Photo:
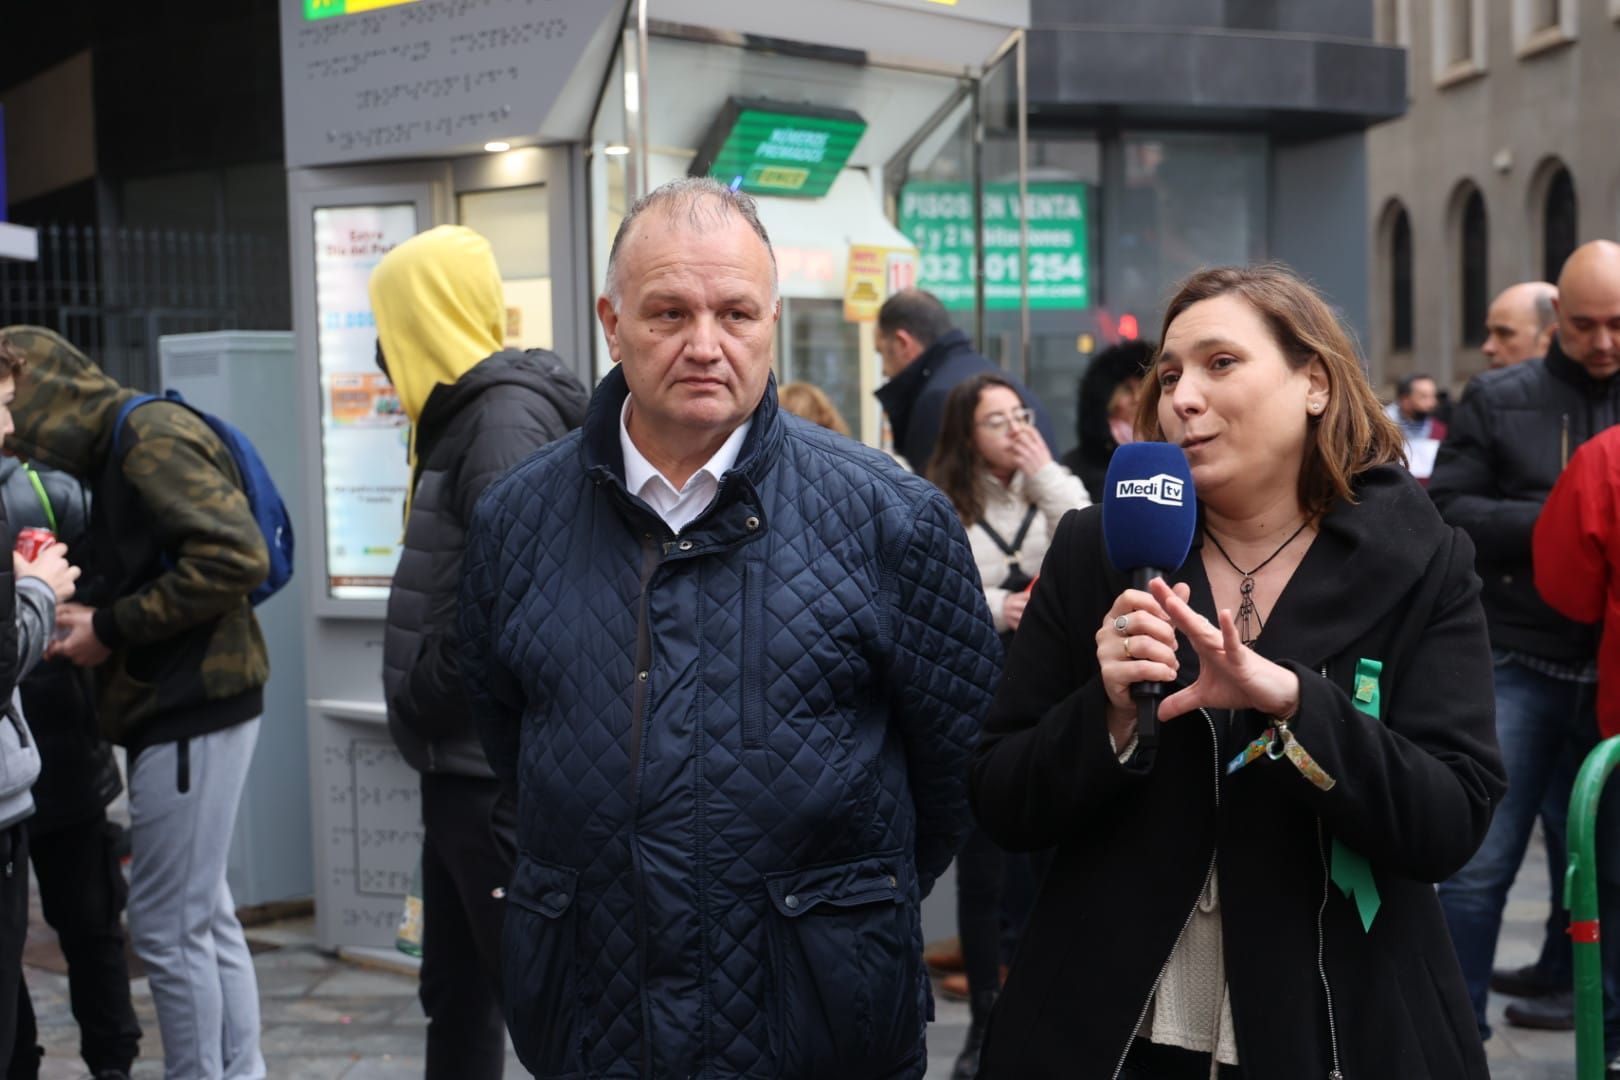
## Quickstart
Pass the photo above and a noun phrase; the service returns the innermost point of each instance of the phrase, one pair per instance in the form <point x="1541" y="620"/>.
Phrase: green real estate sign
<point x="938" y="218"/>
<point x="770" y="148"/>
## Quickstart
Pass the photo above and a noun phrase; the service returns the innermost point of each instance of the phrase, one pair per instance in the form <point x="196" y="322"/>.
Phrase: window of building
<point x="1540" y="25"/>
<point x="1400" y="282"/>
<point x="1558" y="210"/>
<point x="1459" y="40"/>
<point x="1474" y="253"/>
<point x="1460" y="20"/>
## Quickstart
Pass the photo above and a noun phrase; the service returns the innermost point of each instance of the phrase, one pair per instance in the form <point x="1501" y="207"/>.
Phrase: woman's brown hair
<point x="810" y="402"/>
<point x="956" y="465"/>
<point x="1352" y="434"/>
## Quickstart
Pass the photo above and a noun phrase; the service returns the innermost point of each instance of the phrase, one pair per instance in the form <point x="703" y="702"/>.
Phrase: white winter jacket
<point x="1053" y="492"/>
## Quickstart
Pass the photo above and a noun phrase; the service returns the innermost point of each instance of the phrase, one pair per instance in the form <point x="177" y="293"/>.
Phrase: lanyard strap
<point x="1017" y="544"/>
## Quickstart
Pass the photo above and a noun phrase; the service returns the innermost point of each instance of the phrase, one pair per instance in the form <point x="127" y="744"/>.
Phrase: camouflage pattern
<point x="189" y="486"/>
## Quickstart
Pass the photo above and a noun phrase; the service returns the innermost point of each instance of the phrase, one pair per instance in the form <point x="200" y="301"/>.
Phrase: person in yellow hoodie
<point x="476" y="409"/>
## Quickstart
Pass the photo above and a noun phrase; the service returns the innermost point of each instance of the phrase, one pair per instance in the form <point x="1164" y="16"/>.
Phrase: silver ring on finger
<point x="1128" y="655"/>
<point x="1120" y="623"/>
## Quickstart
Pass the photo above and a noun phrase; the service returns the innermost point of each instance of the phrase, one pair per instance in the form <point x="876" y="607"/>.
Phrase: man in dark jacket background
<point x="734" y="664"/>
<point x="477" y="410"/>
<point x="70" y="842"/>
<point x="1510" y="437"/>
<point x="173" y="554"/>
<point x="925" y="358"/>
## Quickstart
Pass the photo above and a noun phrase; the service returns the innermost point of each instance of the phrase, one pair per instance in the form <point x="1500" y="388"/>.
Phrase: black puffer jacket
<point x="78" y="775"/>
<point x="471" y="431"/>
<point x="1513" y="433"/>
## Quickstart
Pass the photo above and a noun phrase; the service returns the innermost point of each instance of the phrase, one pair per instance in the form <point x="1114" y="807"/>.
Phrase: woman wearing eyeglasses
<point x="999" y="473"/>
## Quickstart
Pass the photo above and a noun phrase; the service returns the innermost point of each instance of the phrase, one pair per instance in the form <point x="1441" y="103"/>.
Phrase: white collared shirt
<point x="677" y="508"/>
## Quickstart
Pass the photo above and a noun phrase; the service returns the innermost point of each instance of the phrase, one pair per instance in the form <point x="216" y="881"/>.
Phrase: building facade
<point x="1503" y="162"/>
<point x="1208" y="132"/>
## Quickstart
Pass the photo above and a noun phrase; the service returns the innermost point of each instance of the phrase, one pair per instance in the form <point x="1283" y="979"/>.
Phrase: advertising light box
<point x="775" y="148"/>
<point x="364" y="433"/>
<point x="938" y="218"/>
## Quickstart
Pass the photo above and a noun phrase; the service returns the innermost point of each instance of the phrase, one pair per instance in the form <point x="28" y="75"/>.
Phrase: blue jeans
<point x="1546" y="727"/>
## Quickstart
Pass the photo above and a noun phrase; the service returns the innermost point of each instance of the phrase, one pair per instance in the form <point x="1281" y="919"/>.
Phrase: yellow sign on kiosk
<point x="874" y="274"/>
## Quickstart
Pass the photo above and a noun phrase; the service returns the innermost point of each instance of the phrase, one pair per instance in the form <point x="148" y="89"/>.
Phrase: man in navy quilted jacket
<point x="734" y="665"/>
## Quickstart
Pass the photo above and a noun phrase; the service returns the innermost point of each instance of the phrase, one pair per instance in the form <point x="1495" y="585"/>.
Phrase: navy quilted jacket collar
<point x="738" y="501"/>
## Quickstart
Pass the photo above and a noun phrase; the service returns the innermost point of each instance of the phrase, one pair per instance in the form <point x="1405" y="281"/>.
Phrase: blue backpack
<point x="263" y="498"/>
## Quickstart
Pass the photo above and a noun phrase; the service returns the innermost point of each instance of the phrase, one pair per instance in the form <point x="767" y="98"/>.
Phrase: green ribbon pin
<point x="1351" y="872"/>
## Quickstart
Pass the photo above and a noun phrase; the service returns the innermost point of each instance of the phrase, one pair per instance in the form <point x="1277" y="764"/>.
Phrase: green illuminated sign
<point x="939" y="220"/>
<point x="326" y="9"/>
<point x="771" y="148"/>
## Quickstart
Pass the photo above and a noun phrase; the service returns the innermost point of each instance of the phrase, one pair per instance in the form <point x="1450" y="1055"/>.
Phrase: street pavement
<point x="327" y="1017"/>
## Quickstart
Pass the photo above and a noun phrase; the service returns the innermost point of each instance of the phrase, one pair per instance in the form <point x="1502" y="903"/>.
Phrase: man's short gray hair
<point x="706" y="204"/>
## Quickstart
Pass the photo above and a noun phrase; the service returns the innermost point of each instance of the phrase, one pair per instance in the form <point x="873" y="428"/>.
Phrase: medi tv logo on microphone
<point x="1162" y="489"/>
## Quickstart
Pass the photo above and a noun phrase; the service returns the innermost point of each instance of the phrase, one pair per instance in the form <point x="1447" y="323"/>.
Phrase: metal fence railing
<point x="113" y="291"/>
<point x="1581" y="897"/>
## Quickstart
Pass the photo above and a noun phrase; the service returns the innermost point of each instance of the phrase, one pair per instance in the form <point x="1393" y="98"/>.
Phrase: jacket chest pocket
<point x="805" y="668"/>
<point x="846" y="983"/>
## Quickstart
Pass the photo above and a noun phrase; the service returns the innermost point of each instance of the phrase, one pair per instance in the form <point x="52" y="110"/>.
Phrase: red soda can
<point x="30" y="542"/>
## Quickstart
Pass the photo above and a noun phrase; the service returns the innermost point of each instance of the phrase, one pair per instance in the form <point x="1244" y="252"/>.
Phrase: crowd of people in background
<point x="706" y="695"/>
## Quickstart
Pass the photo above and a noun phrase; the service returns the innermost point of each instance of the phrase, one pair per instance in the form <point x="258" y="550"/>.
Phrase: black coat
<point x="915" y="399"/>
<point x="1384" y="580"/>
<point x="1509" y="439"/>
<point x="470" y="432"/>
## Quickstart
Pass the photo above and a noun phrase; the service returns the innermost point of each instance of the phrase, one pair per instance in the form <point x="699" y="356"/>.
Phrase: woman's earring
<point x="1316" y="406"/>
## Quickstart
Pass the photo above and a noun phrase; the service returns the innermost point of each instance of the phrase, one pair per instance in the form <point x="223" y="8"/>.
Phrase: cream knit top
<point x="1053" y="490"/>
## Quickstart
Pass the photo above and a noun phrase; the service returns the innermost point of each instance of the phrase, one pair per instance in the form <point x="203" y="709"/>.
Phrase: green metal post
<point x="1581" y="897"/>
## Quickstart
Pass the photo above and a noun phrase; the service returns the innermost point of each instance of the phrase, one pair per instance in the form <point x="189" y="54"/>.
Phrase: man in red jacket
<point x="1577" y="557"/>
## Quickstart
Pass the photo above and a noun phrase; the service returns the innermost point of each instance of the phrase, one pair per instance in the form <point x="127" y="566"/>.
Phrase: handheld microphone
<point x="1149" y="515"/>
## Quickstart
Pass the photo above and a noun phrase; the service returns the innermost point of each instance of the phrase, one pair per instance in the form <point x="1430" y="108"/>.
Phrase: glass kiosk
<point x="537" y="130"/>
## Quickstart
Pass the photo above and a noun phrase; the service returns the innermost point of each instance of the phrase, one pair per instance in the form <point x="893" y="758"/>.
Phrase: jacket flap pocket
<point x="541" y="887"/>
<point x="866" y="880"/>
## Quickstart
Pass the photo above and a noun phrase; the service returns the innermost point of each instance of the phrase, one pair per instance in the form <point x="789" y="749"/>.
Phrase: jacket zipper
<point x="638" y="763"/>
<point x="1141" y="1017"/>
<point x="1321" y="963"/>
<point x="1321" y="944"/>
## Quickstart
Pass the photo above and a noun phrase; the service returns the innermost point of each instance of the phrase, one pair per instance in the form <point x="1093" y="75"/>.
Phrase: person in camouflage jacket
<point x="164" y="619"/>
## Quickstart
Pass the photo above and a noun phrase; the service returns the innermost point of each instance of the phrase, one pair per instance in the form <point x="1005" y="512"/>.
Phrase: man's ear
<point x="911" y="347"/>
<point x="609" y="318"/>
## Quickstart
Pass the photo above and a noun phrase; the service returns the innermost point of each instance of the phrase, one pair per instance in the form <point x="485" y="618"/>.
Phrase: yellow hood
<point x="440" y="310"/>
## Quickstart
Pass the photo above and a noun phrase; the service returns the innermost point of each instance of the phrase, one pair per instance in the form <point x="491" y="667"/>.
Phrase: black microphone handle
<point x="1147" y="694"/>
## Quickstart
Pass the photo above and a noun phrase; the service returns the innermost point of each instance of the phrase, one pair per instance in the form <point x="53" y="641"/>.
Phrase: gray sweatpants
<point x="181" y="916"/>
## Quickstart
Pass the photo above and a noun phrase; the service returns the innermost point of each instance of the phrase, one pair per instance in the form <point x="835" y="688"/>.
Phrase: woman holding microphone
<point x="1256" y="900"/>
<point x="998" y="472"/>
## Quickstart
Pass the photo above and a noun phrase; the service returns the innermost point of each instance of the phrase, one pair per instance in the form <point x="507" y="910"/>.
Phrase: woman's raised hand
<point x="1029" y="450"/>
<point x="1230" y="674"/>
<point x="1136" y="643"/>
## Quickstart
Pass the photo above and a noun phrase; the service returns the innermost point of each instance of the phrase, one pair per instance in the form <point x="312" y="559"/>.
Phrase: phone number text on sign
<point x="938" y="218"/>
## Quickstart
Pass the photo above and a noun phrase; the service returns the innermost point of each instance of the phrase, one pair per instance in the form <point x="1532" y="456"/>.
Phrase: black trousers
<point x="81" y="894"/>
<point x="468" y="851"/>
<point x="17" y="1032"/>
<point x="995" y="893"/>
<point x="981" y="867"/>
